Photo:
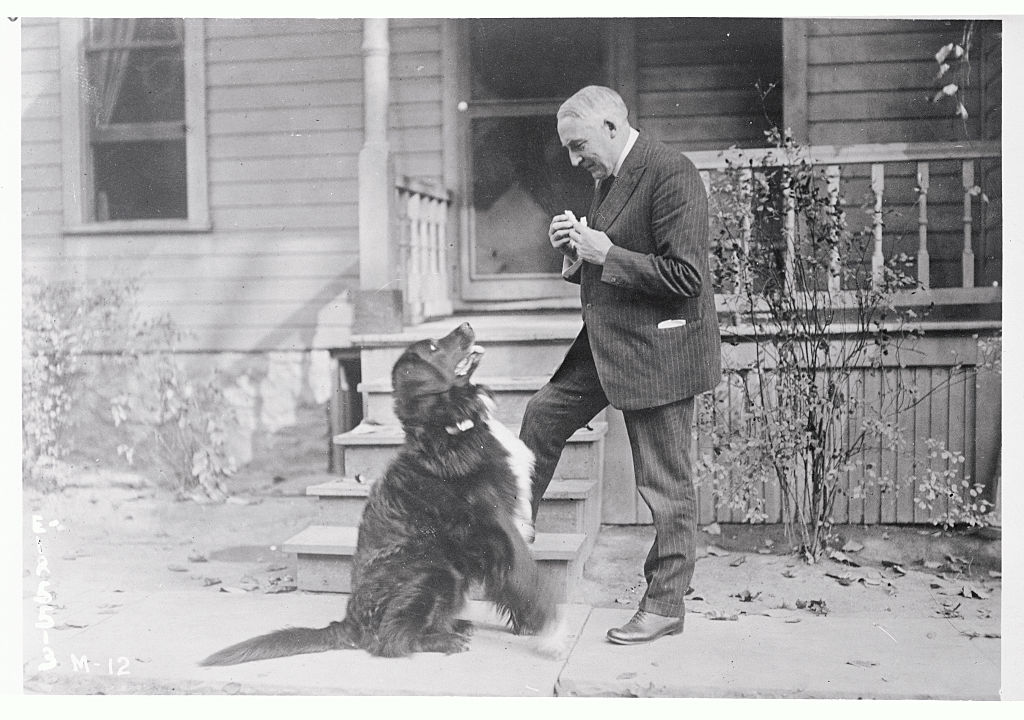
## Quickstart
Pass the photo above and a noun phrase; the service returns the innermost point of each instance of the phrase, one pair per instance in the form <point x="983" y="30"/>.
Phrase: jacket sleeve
<point x="678" y="222"/>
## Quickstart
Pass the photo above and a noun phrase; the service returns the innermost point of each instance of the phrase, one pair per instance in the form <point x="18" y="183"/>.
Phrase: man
<point x="650" y="340"/>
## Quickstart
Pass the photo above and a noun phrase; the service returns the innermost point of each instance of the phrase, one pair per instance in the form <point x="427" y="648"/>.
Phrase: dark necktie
<point x="604" y="188"/>
<point x="600" y="192"/>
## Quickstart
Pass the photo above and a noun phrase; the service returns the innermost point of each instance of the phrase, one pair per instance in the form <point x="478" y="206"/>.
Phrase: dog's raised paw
<point x="554" y="641"/>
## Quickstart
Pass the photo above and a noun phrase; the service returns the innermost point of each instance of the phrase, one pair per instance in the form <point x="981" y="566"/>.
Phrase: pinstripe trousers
<point x="660" y="439"/>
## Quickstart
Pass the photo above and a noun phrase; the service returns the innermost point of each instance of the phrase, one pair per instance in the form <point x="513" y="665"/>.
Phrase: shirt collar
<point x="630" y="141"/>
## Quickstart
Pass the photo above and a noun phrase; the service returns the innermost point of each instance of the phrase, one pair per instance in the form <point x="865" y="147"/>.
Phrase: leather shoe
<point x="645" y="627"/>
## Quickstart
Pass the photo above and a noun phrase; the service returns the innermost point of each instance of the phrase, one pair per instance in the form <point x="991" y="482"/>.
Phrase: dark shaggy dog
<point x="453" y="508"/>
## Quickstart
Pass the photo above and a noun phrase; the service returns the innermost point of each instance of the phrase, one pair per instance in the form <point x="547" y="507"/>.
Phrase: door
<point x="514" y="73"/>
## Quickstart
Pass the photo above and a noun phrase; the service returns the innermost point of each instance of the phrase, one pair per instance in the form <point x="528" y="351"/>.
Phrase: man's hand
<point x="591" y="245"/>
<point x="558" y="233"/>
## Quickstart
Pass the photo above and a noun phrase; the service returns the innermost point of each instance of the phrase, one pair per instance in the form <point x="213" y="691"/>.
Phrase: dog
<point x="452" y="509"/>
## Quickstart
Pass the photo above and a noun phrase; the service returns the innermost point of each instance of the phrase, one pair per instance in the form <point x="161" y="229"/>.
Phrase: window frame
<point x="79" y="215"/>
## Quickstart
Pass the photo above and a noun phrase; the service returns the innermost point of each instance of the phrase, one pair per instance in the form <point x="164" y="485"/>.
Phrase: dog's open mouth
<point x="468" y="364"/>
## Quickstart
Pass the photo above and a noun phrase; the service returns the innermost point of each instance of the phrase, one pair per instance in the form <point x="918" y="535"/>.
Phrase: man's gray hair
<point x="595" y="102"/>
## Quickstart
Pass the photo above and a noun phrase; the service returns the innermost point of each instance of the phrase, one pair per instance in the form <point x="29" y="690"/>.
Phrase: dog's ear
<point x="412" y="376"/>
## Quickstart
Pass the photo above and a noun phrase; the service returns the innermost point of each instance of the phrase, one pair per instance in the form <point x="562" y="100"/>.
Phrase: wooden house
<point x="313" y="193"/>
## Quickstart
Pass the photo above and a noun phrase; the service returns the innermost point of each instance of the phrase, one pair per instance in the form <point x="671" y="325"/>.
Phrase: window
<point x="135" y="134"/>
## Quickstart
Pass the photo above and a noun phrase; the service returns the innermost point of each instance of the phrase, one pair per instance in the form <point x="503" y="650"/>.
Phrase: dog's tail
<point x="285" y="642"/>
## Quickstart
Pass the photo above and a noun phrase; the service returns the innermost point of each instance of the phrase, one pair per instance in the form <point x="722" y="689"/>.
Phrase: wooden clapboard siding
<point x="697" y="79"/>
<point x="872" y="81"/>
<point x="876" y="104"/>
<point x="40" y="143"/>
<point x="415" y="119"/>
<point x="867" y="132"/>
<point x="284" y="130"/>
<point x="261" y="39"/>
<point x="291" y="94"/>
<point x="872" y="77"/>
<point x="279" y="71"/>
<point x="285" y="192"/>
<point x="257" y="120"/>
<point x="39" y="100"/>
<point x="181" y="261"/>
<point x="991" y="54"/>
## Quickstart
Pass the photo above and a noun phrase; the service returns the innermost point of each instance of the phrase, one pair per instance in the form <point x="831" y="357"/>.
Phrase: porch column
<point x="378" y="302"/>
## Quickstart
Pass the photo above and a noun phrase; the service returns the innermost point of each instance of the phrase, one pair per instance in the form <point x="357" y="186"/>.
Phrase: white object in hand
<point x="582" y="221"/>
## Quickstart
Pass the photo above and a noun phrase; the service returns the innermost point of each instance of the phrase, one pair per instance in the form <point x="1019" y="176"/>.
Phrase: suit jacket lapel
<point x="629" y="175"/>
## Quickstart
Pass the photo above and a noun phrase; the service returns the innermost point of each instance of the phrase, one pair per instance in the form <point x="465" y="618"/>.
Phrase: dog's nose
<point x="465" y="328"/>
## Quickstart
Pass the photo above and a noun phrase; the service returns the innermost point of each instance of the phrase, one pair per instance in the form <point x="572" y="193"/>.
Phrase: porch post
<point x="378" y="301"/>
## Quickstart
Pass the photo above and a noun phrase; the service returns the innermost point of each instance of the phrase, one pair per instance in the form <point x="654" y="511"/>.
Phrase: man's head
<point x="592" y="126"/>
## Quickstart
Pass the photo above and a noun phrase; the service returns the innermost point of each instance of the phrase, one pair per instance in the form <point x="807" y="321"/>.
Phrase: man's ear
<point x="612" y="129"/>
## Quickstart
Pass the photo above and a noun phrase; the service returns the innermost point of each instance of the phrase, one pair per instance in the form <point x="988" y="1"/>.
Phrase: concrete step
<point x="367" y="449"/>
<point x="569" y="506"/>
<point x="510" y="394"/>
<point x="325" y="555"/>
<point x="513" y="343"/>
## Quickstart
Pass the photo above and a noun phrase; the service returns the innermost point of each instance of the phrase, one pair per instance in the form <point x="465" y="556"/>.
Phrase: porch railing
<point x="873" y="164"/>
<point x="422" y="214"/>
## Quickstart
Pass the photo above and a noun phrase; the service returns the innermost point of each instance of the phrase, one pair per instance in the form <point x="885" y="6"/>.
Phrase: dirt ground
<point x="112" y="534"/>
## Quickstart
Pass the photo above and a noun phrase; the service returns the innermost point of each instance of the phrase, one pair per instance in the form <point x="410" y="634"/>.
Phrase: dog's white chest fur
<point x="521" y="464"/>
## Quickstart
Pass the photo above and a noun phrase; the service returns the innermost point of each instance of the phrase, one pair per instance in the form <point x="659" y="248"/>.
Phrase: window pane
<point x="521" y="178"/>
<point x="158" y="28"/>
<point x="131" y="86"/>
<point x="140" y="180"/>
<point x="534" y="58"/>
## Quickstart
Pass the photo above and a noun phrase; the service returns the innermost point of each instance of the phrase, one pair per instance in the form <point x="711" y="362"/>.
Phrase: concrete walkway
<point x="152" y="641"/>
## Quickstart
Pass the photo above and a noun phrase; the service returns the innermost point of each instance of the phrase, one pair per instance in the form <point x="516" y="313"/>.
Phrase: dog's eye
<point x="433" y="347"/>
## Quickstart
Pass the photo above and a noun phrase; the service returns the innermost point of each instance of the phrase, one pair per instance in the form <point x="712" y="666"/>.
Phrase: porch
<point x="594" y="482"/>
<point x="921" y="200"/>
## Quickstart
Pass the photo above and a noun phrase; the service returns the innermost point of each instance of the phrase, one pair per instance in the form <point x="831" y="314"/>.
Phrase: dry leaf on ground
<point x="972" y="634"/>
<point x="969" y="591"/>
<point x="862" y="663"/>
<point x="844" y="579"/>
<point x="842" y="557"/>
<point x="746" y="596"/>
<point x="818" y="607"/>
<point x="715" y="614"/>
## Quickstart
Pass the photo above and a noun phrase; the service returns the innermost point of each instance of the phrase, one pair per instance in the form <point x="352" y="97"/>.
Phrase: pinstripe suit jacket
<point x="656" y="214"/>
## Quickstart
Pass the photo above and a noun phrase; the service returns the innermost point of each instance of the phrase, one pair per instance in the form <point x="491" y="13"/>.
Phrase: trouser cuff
<point x="661" y="607"/>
